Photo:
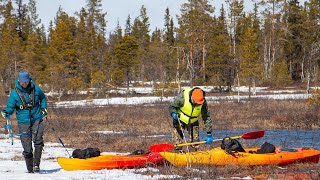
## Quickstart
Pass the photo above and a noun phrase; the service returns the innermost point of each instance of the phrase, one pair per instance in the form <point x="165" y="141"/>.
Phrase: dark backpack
<point x="266" y="148"/>
<point x="86" y="153"/>
<point x="231" y="145"/>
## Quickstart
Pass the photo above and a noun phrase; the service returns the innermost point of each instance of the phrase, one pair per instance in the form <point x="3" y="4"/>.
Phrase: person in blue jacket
<point x="30" y="104"/>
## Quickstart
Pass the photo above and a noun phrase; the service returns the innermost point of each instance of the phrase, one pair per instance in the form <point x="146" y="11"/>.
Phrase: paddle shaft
<point x="167" y="147"/>
<point x="203" y="142"/>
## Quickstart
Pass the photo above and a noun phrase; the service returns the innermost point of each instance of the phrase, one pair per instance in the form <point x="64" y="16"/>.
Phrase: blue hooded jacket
<point x="24" y="116"/>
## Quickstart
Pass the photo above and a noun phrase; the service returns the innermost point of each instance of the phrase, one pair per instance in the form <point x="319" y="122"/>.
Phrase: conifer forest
<point x="277" y="43"/>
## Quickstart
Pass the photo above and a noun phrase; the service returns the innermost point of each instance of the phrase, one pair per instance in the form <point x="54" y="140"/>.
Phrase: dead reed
<point x="132" y="128"/>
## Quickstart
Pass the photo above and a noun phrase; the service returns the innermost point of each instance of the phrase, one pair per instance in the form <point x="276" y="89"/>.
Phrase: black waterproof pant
<point x="28" y="134"/>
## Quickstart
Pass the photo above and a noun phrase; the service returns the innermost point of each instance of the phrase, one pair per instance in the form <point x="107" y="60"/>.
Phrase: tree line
<point x="277" y="43"/>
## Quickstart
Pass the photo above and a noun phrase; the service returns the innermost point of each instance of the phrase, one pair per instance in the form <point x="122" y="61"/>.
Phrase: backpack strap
<point x="26" y="105"/>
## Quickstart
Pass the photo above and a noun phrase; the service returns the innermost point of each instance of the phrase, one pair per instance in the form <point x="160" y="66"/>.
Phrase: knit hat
<point x="197" y="96"/>
<point x="24" y="76"/>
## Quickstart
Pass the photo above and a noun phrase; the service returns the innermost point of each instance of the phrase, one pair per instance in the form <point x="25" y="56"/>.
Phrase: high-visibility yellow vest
<point x="189" y="113"/>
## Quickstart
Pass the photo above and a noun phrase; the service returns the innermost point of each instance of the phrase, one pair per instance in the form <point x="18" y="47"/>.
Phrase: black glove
<point x="175" y="123"/>
<point x="4" y="114"/>
<point x="44" y="112"/>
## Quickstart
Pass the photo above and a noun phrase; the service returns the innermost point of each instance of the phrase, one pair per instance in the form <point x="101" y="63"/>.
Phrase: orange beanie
<point x="197" y="96"/>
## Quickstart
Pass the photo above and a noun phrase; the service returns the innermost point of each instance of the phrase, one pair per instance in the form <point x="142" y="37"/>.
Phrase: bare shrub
<point x="132" y="127"/>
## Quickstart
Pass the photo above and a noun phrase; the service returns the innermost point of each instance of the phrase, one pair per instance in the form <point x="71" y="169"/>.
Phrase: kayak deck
<point x="218" y="156"/>
<point x="110" y="162"/>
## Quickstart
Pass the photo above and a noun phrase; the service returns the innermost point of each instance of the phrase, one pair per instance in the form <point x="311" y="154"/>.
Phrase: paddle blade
<point x="253" y="135"/>
<point x="161" y="147"/>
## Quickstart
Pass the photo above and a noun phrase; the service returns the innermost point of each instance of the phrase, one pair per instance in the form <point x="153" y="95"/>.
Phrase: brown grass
<point x="77" y="126"/>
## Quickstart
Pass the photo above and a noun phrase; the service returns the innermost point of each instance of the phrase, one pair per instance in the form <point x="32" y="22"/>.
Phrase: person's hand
<point x="4" y="114"/>
<point x="44" y="112"/>
<point x="175" y="116"/>
<point x="209" y="139"/>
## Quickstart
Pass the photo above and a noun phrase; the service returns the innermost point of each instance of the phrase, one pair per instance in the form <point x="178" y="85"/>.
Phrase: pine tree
<point x="34" y="17"/>
<point x="250" y="64"/>
<point x="169" y="56"/>
<point x="294" y="46"/>
<point x="126" y="52"/>
<point x="35" y="57"/>
<point x="219" y="57"/>
<point x="128" y="28"/>
<point x="10" y="48"/>
<point x="140" y="30"/>
<point x="62" y="53"/>
<point x="194" y="28"/>
<point x="83" y="49"/>
<point x="96" y="26"/>
<point x="272" y="51"/>
<point x="22" y="21"/>
<point x="310" y="42"/>
<point x="280" y="76"/>
<point x="168" y="28"/>
<point x="235" y="14"/>
<point x="96" y="16"/>
<point x="155" y="58"/>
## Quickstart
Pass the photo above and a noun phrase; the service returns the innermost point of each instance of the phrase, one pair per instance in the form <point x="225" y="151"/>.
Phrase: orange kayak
<point x="110" y="162"/>
<point x="218" y="156"/>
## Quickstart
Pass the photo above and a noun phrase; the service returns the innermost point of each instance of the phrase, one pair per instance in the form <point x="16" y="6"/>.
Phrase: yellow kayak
<point x="218" y="156"/>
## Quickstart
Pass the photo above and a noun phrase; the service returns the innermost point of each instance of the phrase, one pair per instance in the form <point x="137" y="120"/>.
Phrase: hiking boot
<point x="37" y="155"/>
<point x="29" y="163"/>
<point x="37" y="158"/>
<point x="36" y="169"/>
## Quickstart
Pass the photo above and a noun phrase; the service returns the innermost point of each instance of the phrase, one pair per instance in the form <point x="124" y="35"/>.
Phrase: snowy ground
<point x="12" y="165"/>
<point x="259" y="93"/>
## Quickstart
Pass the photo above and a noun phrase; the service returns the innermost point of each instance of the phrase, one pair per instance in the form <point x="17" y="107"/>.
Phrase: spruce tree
<point x="140" y="30"/>
<point x="219" y="57"/>
<point x="193" y="32"/>
<point x="126" y="52"/>
<point x="10" y="48"/>
<point x="62" y="53"/>
<point x="250" y="64"/>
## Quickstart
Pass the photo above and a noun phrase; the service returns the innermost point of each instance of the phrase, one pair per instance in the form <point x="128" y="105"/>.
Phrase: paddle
<point x="168" y="147"/>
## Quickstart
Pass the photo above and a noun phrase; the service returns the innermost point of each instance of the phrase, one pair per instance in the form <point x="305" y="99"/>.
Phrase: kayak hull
<point x="110" y="162"/>
<point x="218" y="156"/>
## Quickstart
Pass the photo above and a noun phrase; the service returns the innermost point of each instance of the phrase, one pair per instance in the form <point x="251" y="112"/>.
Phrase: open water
<point x="279" y="138"/>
